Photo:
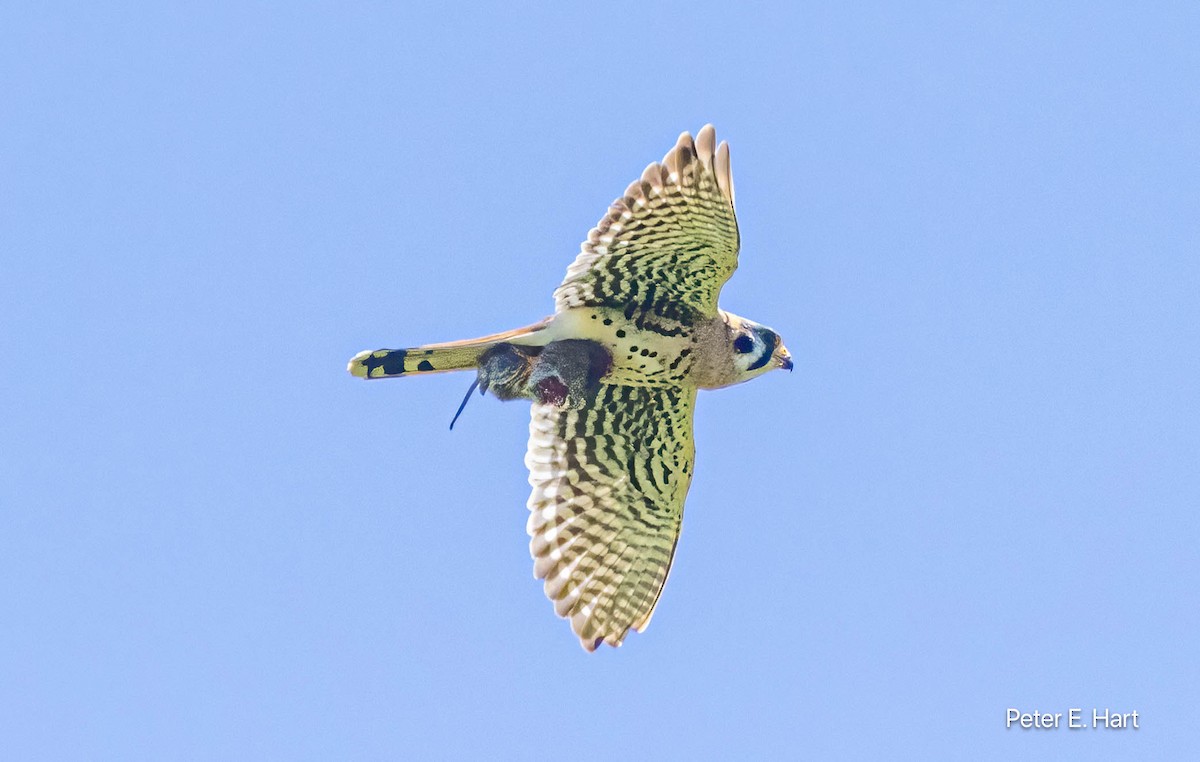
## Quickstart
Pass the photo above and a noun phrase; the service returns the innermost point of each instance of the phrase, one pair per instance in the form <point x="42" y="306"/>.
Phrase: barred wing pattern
<point x="666" y="246"/>
<point x="609" y="483"/>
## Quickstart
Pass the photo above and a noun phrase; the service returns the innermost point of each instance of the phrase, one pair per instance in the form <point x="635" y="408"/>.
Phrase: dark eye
<point x="743" y="344"/>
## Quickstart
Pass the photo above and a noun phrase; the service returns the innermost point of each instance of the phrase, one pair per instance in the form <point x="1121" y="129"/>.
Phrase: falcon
<point x="612" y="376"/>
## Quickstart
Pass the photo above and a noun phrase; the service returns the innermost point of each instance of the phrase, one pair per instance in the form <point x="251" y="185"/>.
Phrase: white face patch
<point x="753" y="347"/>
<point x="748" y="349"/>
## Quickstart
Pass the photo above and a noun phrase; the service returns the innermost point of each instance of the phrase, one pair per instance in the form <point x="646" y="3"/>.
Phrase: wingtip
<point x="652" y="175"/>
<point x="724" y="171"/>
<point x="706" y="141"/>
<point x="677" y="159"/>
<point x="591" y="642"/>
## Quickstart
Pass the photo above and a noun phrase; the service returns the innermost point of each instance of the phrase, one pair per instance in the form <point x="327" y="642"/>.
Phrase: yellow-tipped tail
<point x="436" y="358"/>
<point x="387" y="363"/>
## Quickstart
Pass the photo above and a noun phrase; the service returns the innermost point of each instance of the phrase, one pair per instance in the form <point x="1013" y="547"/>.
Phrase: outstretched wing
<point x="666" y="246"/>
<point x="609" y="483"/>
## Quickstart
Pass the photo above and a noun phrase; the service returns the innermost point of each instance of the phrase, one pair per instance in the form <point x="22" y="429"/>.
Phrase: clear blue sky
<point x="978" y="229"/>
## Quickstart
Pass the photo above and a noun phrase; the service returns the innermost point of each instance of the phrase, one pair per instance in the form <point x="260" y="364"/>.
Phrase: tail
<point x="438" y="358"/>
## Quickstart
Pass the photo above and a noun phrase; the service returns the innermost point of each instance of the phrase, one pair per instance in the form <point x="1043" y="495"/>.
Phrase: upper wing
<point x="668" y="244"/>
<point x="608" y="488"/>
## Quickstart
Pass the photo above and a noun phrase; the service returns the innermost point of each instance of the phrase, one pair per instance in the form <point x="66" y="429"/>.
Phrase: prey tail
<point x="439" y="358"/>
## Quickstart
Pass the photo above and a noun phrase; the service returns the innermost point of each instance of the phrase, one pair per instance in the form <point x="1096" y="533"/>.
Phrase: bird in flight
<point x="612" y="376"/>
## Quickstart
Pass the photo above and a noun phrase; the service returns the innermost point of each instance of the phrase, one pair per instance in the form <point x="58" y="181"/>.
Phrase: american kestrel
<point x="613" y="375"/>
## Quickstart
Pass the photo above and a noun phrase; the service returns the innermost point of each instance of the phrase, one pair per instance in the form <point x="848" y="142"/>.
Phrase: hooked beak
<point x="783" y="358"/>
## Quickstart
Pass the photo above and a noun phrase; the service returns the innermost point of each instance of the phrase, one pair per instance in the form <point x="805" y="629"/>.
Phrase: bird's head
<point x="755" y="348"/>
